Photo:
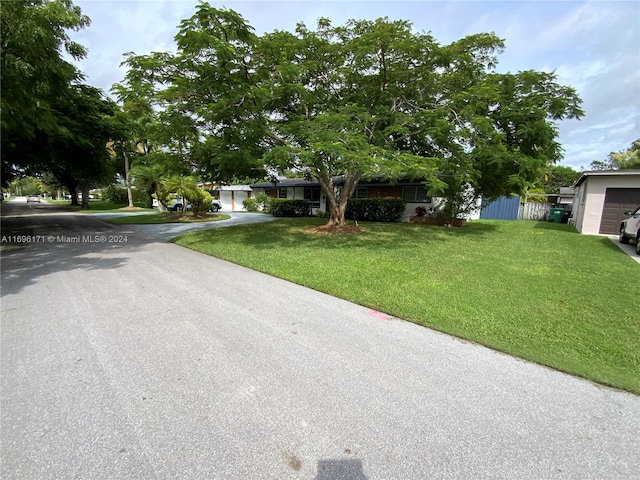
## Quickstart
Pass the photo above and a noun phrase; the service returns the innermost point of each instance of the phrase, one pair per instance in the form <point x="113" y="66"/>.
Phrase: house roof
<point x="605" y="173"/>
<point x="301" y="182"/>
<point x="236" y="188"/>
<point x="287" y="182"/>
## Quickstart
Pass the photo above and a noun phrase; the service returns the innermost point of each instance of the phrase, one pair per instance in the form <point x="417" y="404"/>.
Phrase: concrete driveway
<point x="167" y="231"/>
<point x="628" y="248"/>
<point x="139" y="359"/>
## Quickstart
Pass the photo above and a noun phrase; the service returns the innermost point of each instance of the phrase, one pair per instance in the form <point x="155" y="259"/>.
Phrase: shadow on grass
<point x="558" y="227"/>
<point x="607" y="243"/>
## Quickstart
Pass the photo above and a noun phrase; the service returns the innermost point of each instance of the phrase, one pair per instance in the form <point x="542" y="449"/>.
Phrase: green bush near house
<point x="375" y="209"/>
<point x="289" y="207"/>
<point x="200" y="202"/>
<point x="250" y="205"/>
<point x="260" y="203"/>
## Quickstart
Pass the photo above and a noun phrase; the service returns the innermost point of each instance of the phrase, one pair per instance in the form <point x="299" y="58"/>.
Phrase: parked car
<point x="630" y="228"/>
<point x="215" y="205"/>
<point x="176" y="204"/>
<point x="33" y="198"/>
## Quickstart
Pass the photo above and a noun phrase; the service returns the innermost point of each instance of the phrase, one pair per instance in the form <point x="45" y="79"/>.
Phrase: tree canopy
<point x="368" y="98"/>
<point x="51" y="122"/>
<point x="33" y="72"/>
<point x="560" y="176"/>
<point x="623" y="160"/>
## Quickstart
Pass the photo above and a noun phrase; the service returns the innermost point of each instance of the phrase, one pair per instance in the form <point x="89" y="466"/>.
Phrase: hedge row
<point x="375" y="209"/>
<point x="369" y="209"/>
<point x="289" y="207"/>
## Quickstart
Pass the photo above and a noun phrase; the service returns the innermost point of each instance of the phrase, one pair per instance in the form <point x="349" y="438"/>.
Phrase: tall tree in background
<point x="369" y="98"/>
<point x="33" y="73"/>
<point x="622" y="160"/>
<point x="77" y="155"/>
<point x="560" y="176"/>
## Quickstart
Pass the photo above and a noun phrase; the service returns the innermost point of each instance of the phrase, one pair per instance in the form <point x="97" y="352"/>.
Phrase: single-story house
<point x="602" y="197"/>
<point x="413" y="192"/>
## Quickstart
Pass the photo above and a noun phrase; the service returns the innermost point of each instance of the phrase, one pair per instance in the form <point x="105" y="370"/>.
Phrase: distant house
<point x="414" y="193"/>
<point x="602" y="197"/>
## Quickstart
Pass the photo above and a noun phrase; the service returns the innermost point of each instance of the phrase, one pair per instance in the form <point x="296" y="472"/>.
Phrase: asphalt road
<point x="131" y="358"/>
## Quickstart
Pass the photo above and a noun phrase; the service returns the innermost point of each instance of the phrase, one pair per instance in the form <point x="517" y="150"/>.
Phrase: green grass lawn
<point x="165" y="217"/>
<point x="536" y="290"/>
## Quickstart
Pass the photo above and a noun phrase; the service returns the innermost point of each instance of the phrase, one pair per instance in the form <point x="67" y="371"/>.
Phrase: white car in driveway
<point x="176" y="204"/>
<point x="630" y="228"/>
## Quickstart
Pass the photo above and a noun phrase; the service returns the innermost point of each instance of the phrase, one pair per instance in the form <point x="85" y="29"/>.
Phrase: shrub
<point x="260" y="203"/>
<point x="288" y="207"/>
<point x="250" y="205"/>
<point x="421" y="211"/>
<point x="375" y="209"/>
<point x="114" y="194"/>
<point x="200" y="202"/>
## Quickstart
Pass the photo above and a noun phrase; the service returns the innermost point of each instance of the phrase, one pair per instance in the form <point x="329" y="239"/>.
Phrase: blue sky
<point x="592" y="46"/>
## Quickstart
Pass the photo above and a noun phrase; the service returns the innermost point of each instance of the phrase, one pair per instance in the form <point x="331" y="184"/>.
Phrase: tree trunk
<point x="337" y="201"/>
<point x="85" y="197"/>
<point x="73" y="191"/>
<point x="161" y="206"/>
<point x="127" y="179"/>
<point x="337" y="210"/>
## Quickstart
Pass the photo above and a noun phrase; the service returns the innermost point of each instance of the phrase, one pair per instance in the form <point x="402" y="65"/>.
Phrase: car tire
<point x="215" y="208"/>
<point x="622" y="238"/>
<point x="638" y="244"/>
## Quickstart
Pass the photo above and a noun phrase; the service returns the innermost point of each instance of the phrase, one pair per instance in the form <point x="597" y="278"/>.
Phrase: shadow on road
<point x="39" y="240"/>
<point x="332" y="469"/>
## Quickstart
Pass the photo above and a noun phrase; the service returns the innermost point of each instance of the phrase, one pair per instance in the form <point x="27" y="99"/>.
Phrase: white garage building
<point x="602" y="197"/>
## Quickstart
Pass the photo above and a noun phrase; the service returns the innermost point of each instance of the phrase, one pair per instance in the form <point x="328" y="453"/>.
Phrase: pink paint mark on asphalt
<point x="378" y="315"/>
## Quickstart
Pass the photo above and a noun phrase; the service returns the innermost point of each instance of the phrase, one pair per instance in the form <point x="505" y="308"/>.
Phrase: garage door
<point x="616" y="202"/>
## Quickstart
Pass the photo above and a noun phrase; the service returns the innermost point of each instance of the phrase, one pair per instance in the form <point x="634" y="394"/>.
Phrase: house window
<point x="361" y="192"/>
<point x="312" y="195"/>
<point x="282" y="193"/>
<point x="415" y="194"/>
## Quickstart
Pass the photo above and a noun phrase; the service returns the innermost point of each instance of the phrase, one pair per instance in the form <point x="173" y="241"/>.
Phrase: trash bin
<point x="555" y="215"/>
<point x="565" y="216"/>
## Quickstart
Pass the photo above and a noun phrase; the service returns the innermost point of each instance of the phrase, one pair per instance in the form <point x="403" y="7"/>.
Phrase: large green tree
<point x="33" y="73"/>
<point x="368" y="98"/>
<point x="78" y="154"/>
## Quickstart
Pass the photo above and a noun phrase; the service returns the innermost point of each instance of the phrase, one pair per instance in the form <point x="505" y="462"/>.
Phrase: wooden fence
<point x="534" y="211"/>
